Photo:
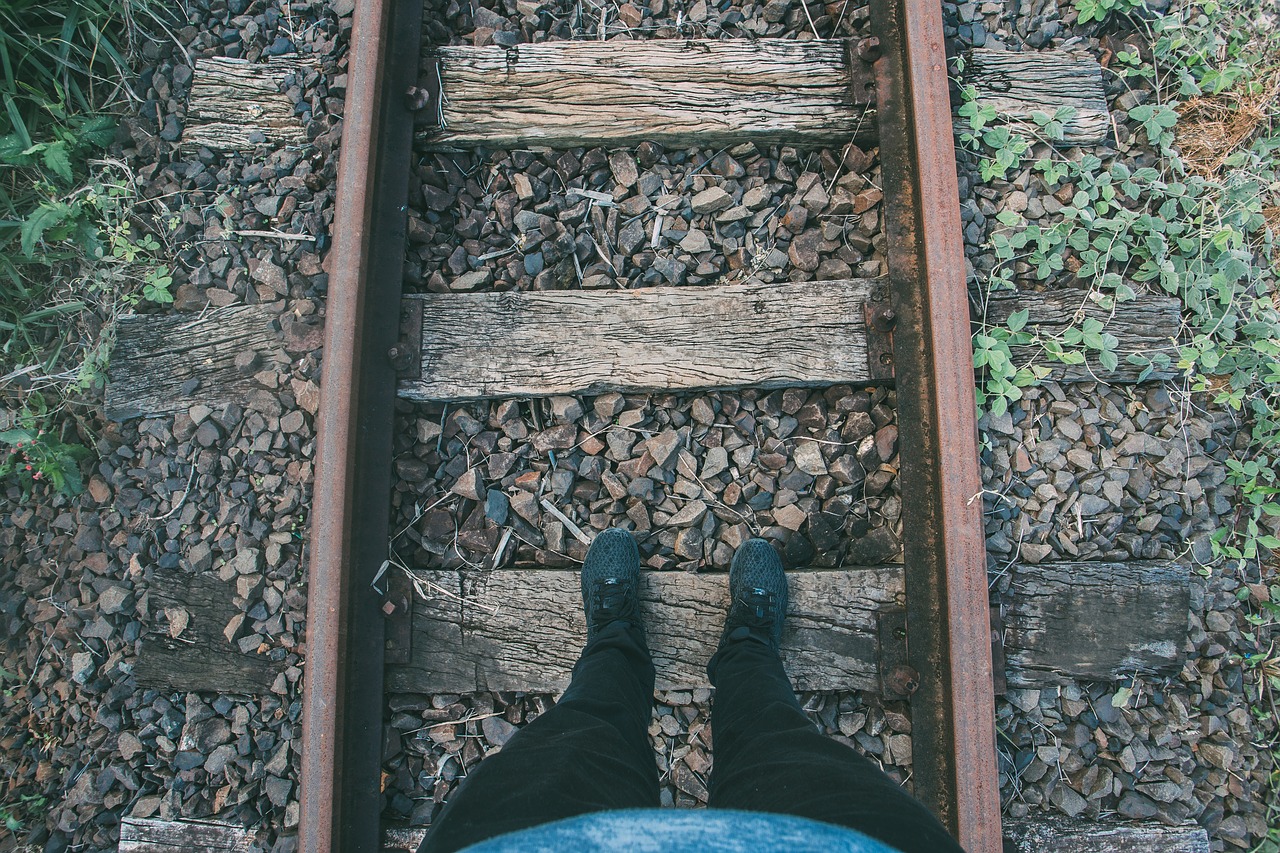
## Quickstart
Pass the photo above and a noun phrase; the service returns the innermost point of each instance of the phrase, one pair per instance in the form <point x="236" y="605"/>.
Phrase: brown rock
<point x="845" y="469"/>
<point x="887" y="441"/>
<point x="867" y="199"/>
<point x="609" y="405"/>
<point x="662" y="447"/>
<point x="711" y="200"/>
<point x="560" y="437"/>
<point x="790" y="517"/>
<point x="470" y="485"/>
<point x="526" y="506"/>
<point x="795" y="219"/>
<point x="804" y="250"/>
<point x="857" y="426"/>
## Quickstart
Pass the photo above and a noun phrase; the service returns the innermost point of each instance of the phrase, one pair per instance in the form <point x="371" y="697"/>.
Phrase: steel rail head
<point x="948" y="622"/>
<point x="342" y="689"/>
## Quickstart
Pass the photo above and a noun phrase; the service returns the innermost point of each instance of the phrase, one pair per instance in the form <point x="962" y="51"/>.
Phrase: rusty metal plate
<point x="880" y="319"/>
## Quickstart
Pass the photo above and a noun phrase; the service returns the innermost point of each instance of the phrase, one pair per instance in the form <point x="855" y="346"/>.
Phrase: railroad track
<point x="925" y="315"/>
<point x="911" y="329"/>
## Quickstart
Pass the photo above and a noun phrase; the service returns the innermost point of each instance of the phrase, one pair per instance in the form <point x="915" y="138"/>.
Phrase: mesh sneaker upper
<point x="758" y="586"/>
<point x="610" y="580"/>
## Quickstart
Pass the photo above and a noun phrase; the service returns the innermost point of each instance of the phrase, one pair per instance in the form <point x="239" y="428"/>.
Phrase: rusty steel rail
<point x="342" y="694"/>
<point x="948" y="618"/>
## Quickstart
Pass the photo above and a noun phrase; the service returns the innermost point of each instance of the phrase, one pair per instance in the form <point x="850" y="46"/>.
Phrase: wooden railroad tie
<point x="566" y="94"/>
<point x="1062" y="622"/>
<point x="543" y="343"/>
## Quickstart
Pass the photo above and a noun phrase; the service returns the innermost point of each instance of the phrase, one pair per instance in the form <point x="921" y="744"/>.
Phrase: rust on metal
<point x="342" y="691"/>
<point x="398" y="610"/>
<point x="408" y="357"/>
<point x="999" y="678"/>
<point x="897" y="679"/>
<point x="880" y="319"/>
<point x="862" y="78"/>
<point x="948" y="616"/>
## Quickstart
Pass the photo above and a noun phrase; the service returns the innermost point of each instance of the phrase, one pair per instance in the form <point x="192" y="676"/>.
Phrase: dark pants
<point x="591" y="752"/>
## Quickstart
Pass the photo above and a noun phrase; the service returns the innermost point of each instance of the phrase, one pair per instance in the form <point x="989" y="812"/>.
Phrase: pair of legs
<point x="591" y="752"/>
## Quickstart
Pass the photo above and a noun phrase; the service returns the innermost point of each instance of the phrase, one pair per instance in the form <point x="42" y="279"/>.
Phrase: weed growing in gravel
<point x="1197" y="222"/>
<point x="1096" y="10"/>
<point x="71" y="258"/>
<point x="29" y="455"/>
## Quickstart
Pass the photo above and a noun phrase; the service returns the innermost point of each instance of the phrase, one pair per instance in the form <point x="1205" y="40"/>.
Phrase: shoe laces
<point x="759" y="608"/>
<point x="610" y="600"/>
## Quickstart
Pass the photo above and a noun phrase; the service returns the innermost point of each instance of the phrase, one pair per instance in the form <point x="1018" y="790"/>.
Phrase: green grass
<point x="71" y="253"/>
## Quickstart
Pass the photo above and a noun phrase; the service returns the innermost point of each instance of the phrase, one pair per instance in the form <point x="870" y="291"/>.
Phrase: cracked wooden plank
<point x="1095" y="621"/>
<point x="523" y="629"/>
<point x="674" y="91"/>
<point x="1019" y="84"/>
<point x="1047" y="833"/>
<point x="201" y="657"/>
<point x="1145" y="326"/>
<point x="146" y="835"/>
<point x="539" y="343"/>
<point x="236" y="105"/>
<point x="166" y="363"/>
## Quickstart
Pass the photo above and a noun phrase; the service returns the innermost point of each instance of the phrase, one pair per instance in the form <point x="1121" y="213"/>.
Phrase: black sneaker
<point x="611" y="581"/>
<point x="758" y="586"/>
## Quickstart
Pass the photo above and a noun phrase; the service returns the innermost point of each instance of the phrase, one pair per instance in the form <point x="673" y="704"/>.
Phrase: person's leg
<point x="769" y="757"/>
<point x="590" y="752"/>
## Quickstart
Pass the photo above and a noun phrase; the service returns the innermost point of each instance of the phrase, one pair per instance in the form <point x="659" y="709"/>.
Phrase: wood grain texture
<point x="682" y="92"/>
<point x="523" y="629"/>
<point x="236" y="105"/>
<point x="522" y="344"/>
<point x="145" y="835"/>
<point x="1045" y="833"/>
<point x="1095" y="621"/>
<point x="1116" y="619"/>
<point x="1143" y="326"/>
<point x="202" y="658"/>
<point x="402" y="838"/>
<point x="1019" y="84"/>
<point x="155" y="355"/>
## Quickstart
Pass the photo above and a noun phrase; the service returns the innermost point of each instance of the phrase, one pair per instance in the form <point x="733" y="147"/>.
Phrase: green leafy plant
<point x="1097" y="10"/>
<point x="17" y="814"/>
<point x="993" y="353"/>
<point x="32" y="455"/>
<point x="1198" y="224"/>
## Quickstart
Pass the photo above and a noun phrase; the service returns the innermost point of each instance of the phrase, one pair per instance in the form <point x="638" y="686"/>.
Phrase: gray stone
<point x="688" y="515"/>
<point x="808" y="458"/>
<point x="497" y="731"/>
<point x="662" y="447"/>
<point x="711" y="200"/>
<point x="112" y="599"/>
<point x="695" y="242"/>
<point x="716" y="461"/>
